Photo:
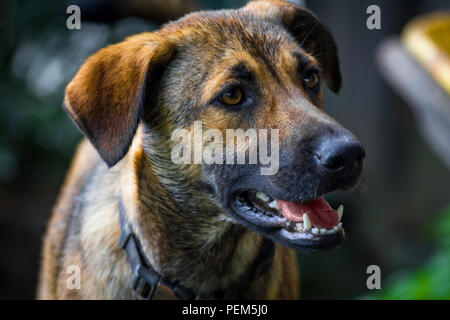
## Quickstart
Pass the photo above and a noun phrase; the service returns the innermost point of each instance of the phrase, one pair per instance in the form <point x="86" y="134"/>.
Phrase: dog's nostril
<point x="335" y="163"/>
<point x="338" y="155"/>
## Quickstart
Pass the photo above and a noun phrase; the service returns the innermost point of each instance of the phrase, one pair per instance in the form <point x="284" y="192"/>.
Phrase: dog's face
<point x="257" y="69"/>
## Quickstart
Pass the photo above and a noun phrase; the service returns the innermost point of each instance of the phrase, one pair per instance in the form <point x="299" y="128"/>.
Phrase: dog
<point x="136" y="225"/>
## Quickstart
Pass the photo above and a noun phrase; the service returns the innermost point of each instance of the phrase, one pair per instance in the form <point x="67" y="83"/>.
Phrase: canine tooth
<point x="262" y="196"/>
<point x="315" y="230"/>
<point x="340" y="211"/>
<point x="340" y="224"/>
<point x="306" y="222"/>
<point x="331" y="231"/>
<point x="274" y="205"/>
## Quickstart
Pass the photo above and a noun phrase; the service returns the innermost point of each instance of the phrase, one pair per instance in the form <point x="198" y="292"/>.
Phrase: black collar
<point x="146" y="281"/>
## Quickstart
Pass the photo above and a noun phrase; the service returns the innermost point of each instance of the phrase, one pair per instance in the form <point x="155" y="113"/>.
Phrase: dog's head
<point x="257" y="69"/>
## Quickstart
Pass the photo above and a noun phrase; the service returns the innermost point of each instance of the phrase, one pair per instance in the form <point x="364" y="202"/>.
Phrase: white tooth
<point x="331" y="231"/>
<point x="274" y="205"/>
<point x="335" y="228"/>
<point x="306" y="222"/>
<point x="340" y="211"/>
<point x="340" y="224"/>
<point x="262" y="196"/>
<point x="315" y="230"/>
<point x="323" y="231"/>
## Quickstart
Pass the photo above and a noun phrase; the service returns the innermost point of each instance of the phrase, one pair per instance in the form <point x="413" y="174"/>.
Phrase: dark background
<point x="389" y="219"/>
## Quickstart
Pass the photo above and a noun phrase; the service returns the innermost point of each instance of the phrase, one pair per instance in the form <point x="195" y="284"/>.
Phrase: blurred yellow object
<point x="427" y="38"/>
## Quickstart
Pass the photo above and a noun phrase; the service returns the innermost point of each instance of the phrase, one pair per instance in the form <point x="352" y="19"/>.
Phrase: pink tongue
<point x="319" y="212"/>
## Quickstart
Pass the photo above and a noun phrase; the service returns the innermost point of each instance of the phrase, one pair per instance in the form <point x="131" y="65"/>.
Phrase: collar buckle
<point x="145" y="282"/>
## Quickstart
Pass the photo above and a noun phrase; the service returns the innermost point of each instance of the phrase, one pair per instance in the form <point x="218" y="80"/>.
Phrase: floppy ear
<point x="309" y="32"/>
<point x="106" y="97"/>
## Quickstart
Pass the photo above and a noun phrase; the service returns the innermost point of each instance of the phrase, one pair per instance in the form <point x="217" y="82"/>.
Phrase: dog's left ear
<point x="309" y="32"/>
<point x="106" y="97"/>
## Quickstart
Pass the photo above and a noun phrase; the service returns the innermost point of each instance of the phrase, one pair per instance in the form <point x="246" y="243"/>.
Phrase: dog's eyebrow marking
<point x="230" y="74"/>
<point x="241" y="71"/>
<point x="305" y="62"/>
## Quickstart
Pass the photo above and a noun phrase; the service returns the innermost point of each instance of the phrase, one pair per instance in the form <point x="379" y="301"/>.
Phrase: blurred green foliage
<point x="432" y="279"/>
<point x="32" y="126"/>
<point x="38" y="60"/>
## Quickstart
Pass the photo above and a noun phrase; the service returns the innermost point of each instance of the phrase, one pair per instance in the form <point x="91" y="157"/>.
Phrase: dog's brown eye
<point x="232" y="96"/>
<point x="311" y="80"/>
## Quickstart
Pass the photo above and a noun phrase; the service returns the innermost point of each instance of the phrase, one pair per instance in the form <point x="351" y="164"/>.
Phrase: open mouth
<point x="310" y="225"/>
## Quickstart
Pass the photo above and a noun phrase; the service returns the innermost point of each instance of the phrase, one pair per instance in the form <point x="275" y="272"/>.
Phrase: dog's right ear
<point x="106" y="97"/>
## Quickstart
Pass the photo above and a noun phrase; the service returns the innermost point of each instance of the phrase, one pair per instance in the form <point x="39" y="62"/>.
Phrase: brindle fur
<point x="127" y="99"/>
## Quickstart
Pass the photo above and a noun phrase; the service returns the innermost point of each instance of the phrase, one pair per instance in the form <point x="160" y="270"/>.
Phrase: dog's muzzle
<point x="290" y="207"/>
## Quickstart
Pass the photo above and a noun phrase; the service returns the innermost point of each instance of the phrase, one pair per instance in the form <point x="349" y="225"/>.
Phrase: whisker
<point x="308" y="34"/>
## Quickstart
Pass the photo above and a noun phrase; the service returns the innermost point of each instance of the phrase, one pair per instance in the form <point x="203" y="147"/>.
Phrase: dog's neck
<point x="183" y="234"/>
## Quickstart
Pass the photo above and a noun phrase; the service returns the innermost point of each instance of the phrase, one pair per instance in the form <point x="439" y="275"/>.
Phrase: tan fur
<point x="82" y="164"/>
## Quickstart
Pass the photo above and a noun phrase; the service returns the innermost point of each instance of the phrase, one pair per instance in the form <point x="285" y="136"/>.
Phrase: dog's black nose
<point x="340" y="153"/>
